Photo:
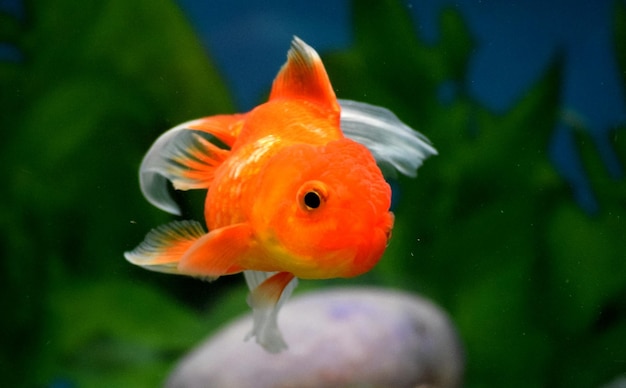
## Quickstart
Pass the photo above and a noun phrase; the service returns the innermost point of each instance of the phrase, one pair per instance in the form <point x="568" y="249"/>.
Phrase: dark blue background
<point x="515" y="41"/>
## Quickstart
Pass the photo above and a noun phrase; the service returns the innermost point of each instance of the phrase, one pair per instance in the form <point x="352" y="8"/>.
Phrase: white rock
<point x="356" y="337"/>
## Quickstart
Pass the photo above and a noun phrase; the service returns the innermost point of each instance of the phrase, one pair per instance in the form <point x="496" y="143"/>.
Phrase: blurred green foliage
<point x="489" y="230"/>
<point x="88" y="96"/>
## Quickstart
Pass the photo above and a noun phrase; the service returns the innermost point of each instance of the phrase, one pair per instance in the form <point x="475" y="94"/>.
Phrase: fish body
<point x="290" y="196"/>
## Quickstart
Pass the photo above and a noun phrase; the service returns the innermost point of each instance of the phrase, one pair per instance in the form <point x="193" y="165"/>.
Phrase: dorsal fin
<point x="304" y="77"/>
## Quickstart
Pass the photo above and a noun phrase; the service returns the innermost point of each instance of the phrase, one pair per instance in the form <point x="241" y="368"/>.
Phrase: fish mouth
<point x="374" y="245"/>
<point x="387" y="226"/>
<point x="388" y="237"/>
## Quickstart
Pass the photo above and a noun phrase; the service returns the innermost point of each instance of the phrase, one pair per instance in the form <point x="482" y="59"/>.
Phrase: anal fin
<point x="266" y="300"/>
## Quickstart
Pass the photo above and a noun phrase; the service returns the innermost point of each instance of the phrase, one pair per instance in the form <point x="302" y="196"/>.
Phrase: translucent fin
<point x="186" y="156"/>
<point x="304" y="76"/>
<point x="269" y="291"/>
<point x="395" y="145"/>
<point x="255" y="278"/>
<point x="164" y="246"/>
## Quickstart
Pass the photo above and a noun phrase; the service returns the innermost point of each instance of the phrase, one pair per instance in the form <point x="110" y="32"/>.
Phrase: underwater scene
<point x="477" y="238"/>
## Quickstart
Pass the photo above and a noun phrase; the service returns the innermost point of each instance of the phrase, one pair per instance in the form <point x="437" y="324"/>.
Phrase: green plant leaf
<point x="486" y="227"/>
<point x="112" y="331"/>
<point x="9" y="28"/>
<point x="95" y="85"/>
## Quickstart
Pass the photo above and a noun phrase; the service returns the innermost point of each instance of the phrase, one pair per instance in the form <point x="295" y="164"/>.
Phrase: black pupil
<point x="312" y="200"/>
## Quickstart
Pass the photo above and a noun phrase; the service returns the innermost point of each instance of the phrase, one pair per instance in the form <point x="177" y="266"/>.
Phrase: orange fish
<point x="294" y="190"/>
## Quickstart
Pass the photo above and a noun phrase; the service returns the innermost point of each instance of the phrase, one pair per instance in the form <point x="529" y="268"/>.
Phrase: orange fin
<point x="186" y="155"/>
<point x="164" y="246"/>
<point x="224" y="127"/>
<point x="218" y="253"/>
<point x="266" y="299"/>
<point x="304" y="77"/>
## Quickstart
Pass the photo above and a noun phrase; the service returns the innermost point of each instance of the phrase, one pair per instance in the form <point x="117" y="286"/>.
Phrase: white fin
<point x="164" y="246"/>
<point x="255" y="278"/>
<point x="265" y="316"/>
<point x="177" y="155"/>
<point x="395" y="145"/>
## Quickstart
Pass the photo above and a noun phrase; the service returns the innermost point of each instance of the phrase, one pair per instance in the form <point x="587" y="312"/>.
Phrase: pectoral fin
<point x="182" y="247"/>
<point x="219" y="252"/>
<point x="164" y="246"/>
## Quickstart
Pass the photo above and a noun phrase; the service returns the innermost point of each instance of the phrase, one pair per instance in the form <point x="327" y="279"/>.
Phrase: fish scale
<point x="225" y="203"/>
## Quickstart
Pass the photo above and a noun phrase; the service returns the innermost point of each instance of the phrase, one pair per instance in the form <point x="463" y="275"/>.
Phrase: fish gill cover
<point x="490" y="230"/>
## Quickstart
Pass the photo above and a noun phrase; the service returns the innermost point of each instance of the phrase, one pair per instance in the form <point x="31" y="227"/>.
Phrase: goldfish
<point x="295" y="190"/>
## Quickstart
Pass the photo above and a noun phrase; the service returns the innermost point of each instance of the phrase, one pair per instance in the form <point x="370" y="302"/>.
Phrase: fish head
<point x="323" y="210"/>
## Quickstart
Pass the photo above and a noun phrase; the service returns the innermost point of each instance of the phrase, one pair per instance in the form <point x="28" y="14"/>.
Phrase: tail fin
<point x="187" y="156"/>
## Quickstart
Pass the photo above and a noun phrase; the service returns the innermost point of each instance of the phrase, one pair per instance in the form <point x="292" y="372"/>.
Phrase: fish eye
<point x="312" y="200"/>
<point x="312" y="195"/>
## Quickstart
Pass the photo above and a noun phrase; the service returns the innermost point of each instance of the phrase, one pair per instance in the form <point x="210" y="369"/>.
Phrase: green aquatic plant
<point x="83" y="98"/>
<point x="489" y="229"/>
